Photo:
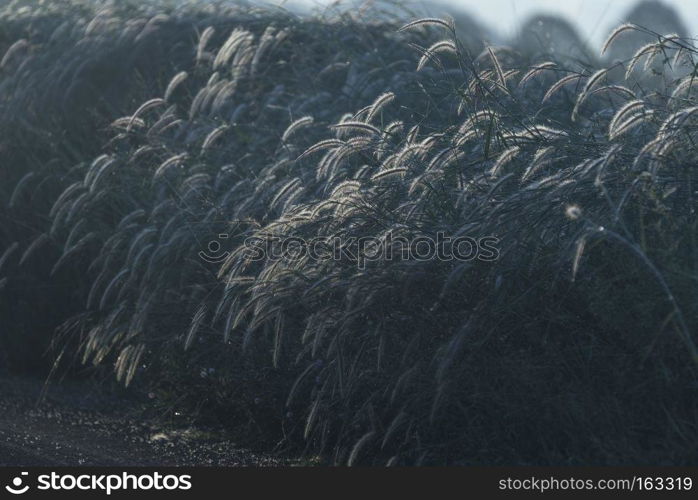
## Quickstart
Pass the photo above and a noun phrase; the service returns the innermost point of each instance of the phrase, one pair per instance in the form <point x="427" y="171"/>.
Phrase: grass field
<point x="168" y="170"/>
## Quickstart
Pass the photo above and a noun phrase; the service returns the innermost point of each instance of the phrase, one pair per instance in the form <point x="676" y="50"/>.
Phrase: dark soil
<point x="83" y="423"/>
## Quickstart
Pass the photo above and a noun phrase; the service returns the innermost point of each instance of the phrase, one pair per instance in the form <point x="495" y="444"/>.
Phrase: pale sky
<point x="593" y="18"/>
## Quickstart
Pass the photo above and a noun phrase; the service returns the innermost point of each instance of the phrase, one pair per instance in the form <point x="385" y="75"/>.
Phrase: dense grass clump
<point x="572" y="343"/>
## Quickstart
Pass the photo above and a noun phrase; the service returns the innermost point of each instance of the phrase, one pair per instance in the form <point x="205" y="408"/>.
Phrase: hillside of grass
<point x="145" y="147"/>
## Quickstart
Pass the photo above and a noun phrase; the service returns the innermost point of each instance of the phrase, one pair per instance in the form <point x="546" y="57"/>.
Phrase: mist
<point x="594" y="19"/>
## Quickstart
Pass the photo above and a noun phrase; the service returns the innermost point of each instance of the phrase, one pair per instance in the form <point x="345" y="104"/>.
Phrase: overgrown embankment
<point x="217" y="126"/>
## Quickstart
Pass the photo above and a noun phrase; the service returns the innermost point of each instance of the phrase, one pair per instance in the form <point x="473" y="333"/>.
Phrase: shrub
<point x="572" y="343"/>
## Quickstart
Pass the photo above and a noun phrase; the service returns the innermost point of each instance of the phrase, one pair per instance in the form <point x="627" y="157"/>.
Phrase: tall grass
<point x="576" y="345"/>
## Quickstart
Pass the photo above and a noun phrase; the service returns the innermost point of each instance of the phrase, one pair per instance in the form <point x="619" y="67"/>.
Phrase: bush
<point x="571" y="342"/>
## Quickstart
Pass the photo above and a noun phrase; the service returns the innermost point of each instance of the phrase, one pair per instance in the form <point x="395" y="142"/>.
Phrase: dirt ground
<point x="80" y="423"/>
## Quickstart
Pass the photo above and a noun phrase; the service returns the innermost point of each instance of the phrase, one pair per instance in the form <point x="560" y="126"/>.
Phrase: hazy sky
<point x="594" y="18"/>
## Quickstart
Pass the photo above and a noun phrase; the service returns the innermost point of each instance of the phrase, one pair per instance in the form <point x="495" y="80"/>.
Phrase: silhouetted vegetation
<point x="134" y="134"/>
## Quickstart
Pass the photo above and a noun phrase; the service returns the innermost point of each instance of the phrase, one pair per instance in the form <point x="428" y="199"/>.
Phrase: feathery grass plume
<point x="559" y="84"/>
<point x="400" y="420"/>
<point x="394" y="128"/>
<point x="74" y="232"/>
<point x="391" y="172"/>
<point x="196" y="323"/>
<point x="65" y="196"/>
<point x="676" y="121"/>
<point x="574" y="213"/>
<point x="77" y="205"/>
<point x="646" y="50"/>
<point x="380" y="102"/>
<point x="325" y="164"/>
<point x="682" y="57"/>
<point x="139" y="259"/>
<point x="472" y="121"/>
<point x="486" y="83"/>
<point x="267" y="42"/>
<point x="478" y="83"/>
<point x="534" y="133"/>
<point x="204" y="106"/>
<point x="7" y="253"/>
<point x="671" y="42"/>
<point x="615" y="33"/>
<point x="389" y="161"/>
<point x="540" y="159"/>
<point x="133" y="216"/>
<point x="175" y="124"/>
<point x="203" y="43"/>
<point x="242" y="58"/>
<point x="70" y="252"/>
<point x="146" y="106"/>
<point x="649" y="60"/>
<point x="618" y="89"/>
<point x="142" y="236"/>
<point x="163" y="124"/>
<point x="20" y="187"/>
<point x="649" y="150"/>
<point x="295" y="126"/>
<point x="172" y="161"/>
<point x="629" y="124"/>
<point x="97" y="284"/>
<point x="661" y="153"/>
<point x="359" y="143"/>
<point x="412" y="134"/>
<point x="358" y="447"/>
<point x="290" y="185"/>
<point x="314" y="409"/>
<point x="99" y="173"/>
<point x="359" y="115"/>
<point x="212" y="137"/>
<point x="174" y="83"/>
<point x="624" y="111"/>
<point x="221" y="98"/>
<point x="328" y="205"/>
<point x="127" y="363"/>
<point x="235" y="40"/>
<point x="412" y="150"/>
<point x="444" y="159"/>
<point x="17" y="47"/>
<point x="128" y="123"/>
<point x="497" y="67"/>
<point x="507" y="156"/>
<point x="684" y="85"/>
<point x="121" y="364"/>
<point x="213" y="80"/>
<point x="603" y="163"/>
<point x="107" y="294"/>
<point x="535" y="71"/>
<point x="444" y="46"/>
<point x="58" y="219"/>
<point x="512" y="73"/>
<point x="234" y="307"/>
<point x="586" y="91"/>
<point x="346" y="187"/>
<point x="429" y="21"/>
<point x="278" y="339"/>
<point x="357" y="126"/>
<point x="543" y="183"/>
<point x="547" y="132"/>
